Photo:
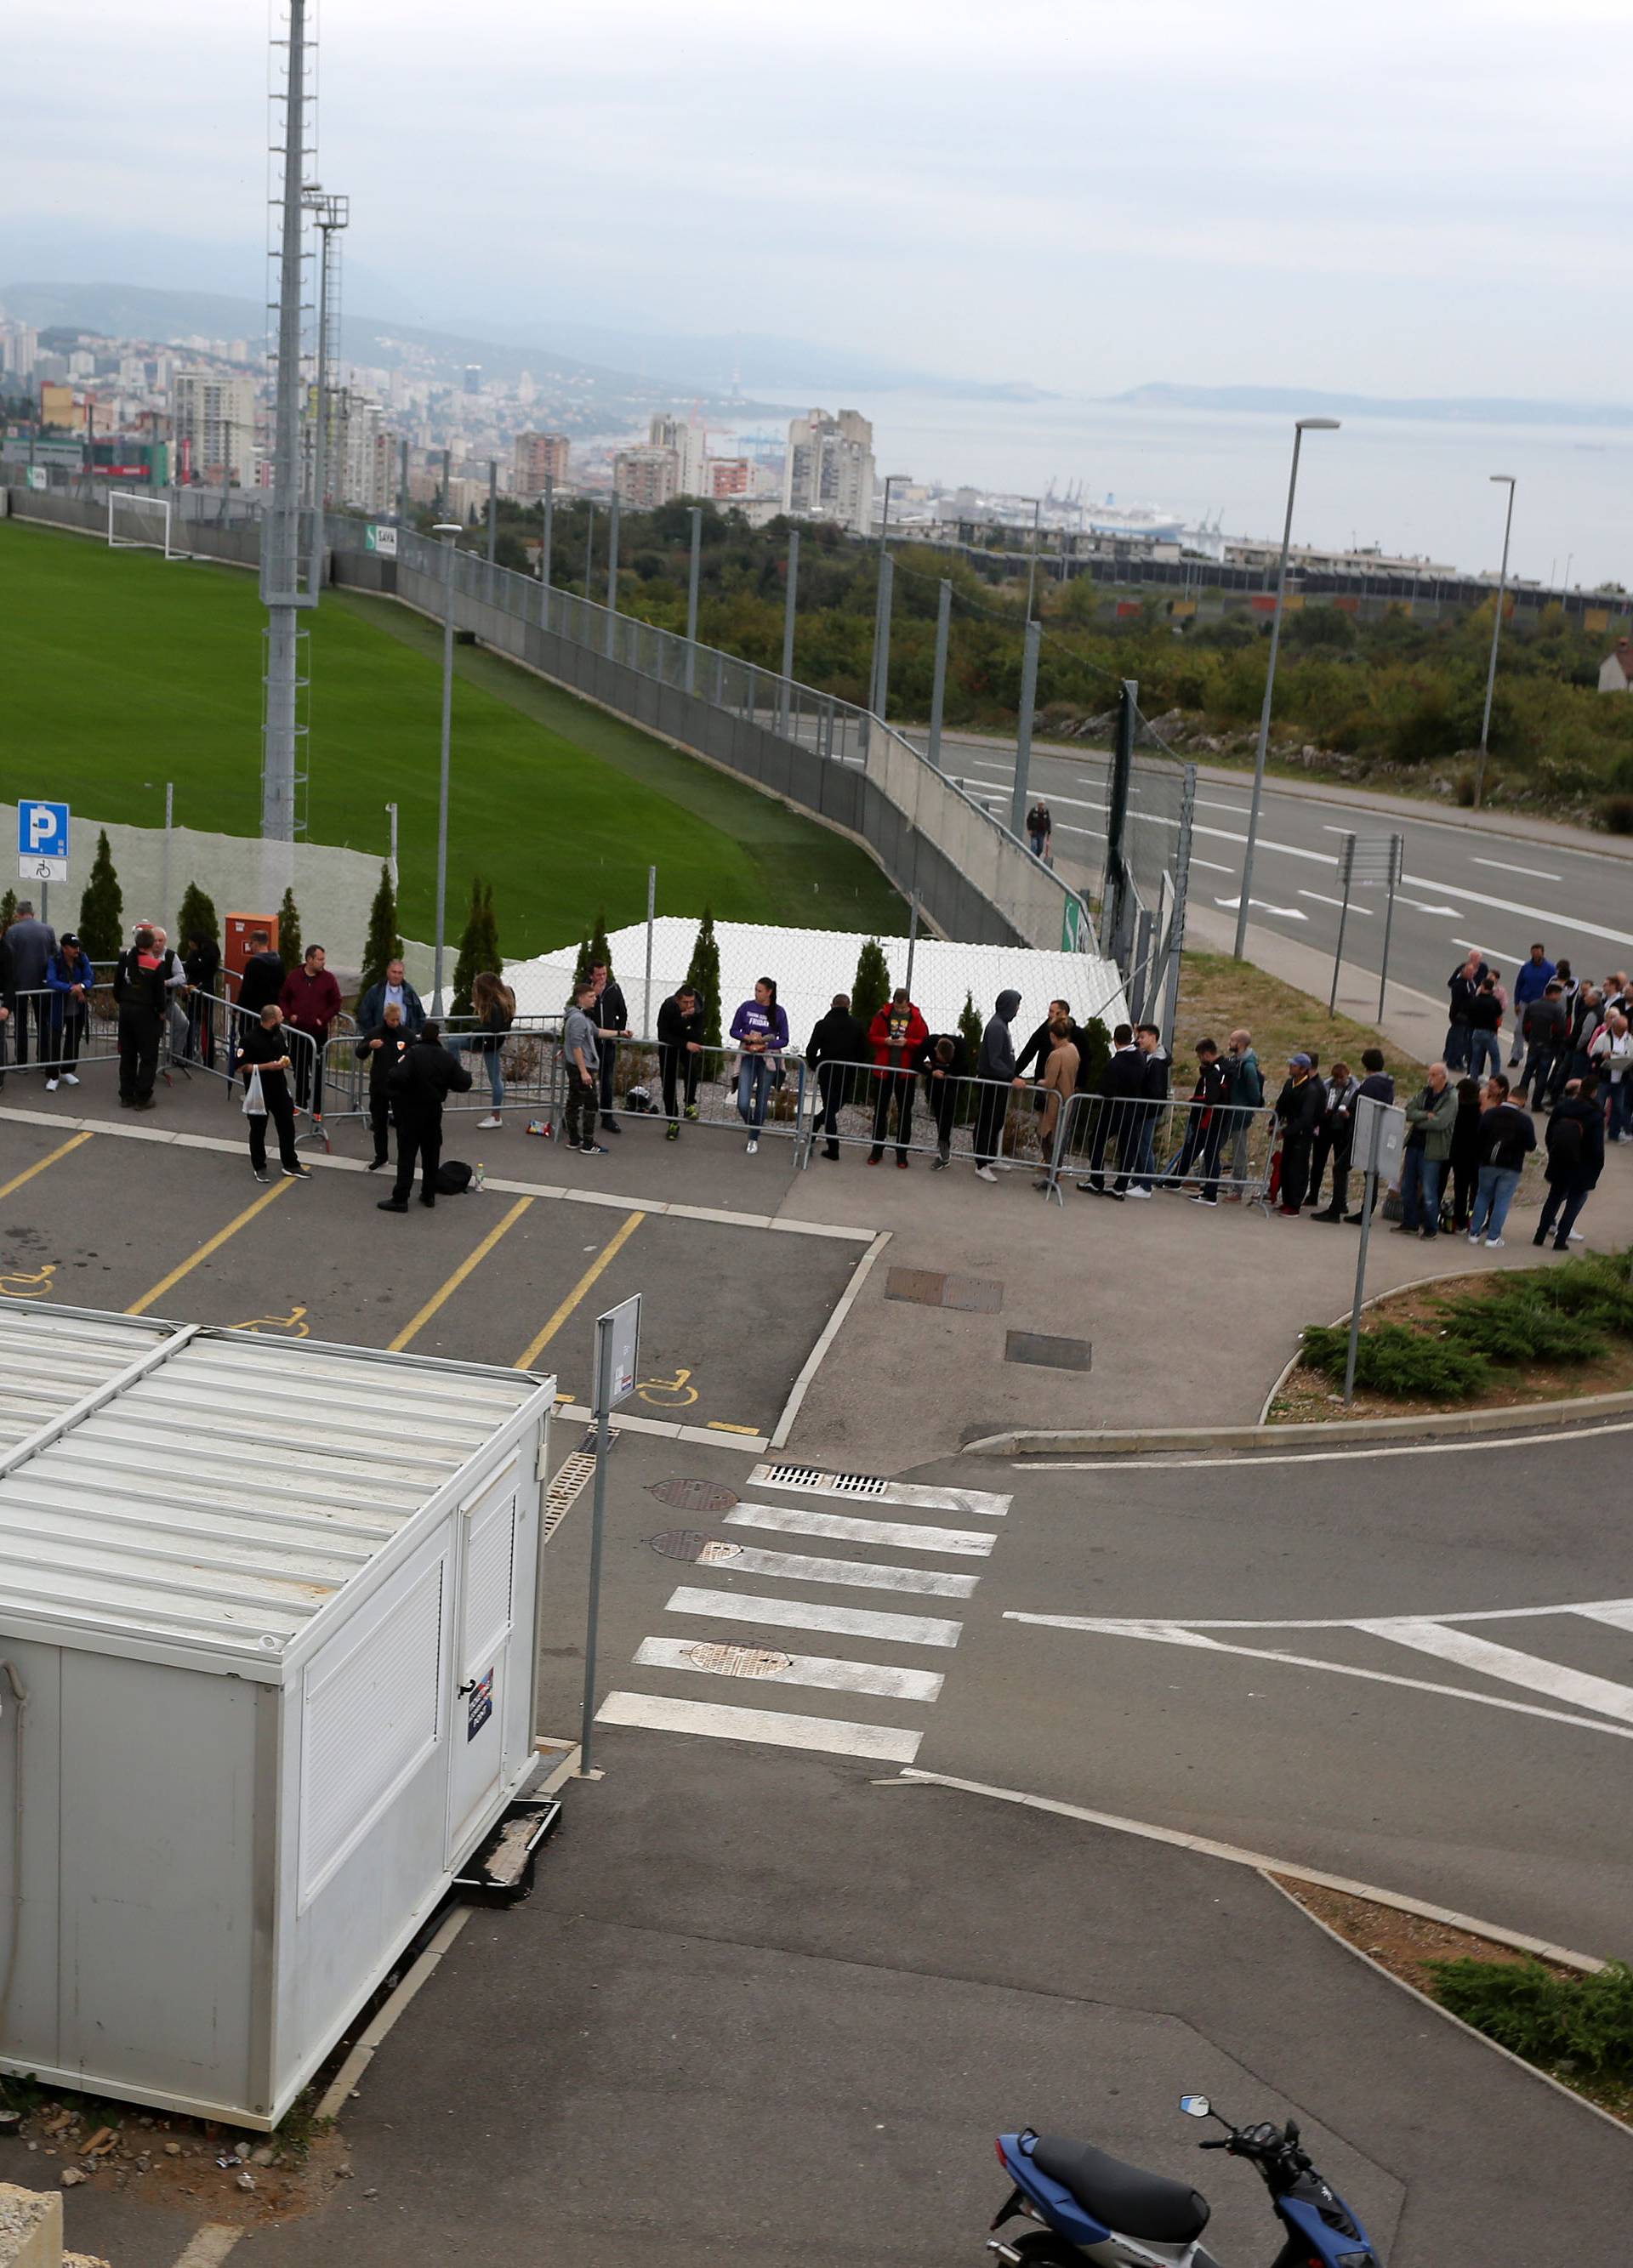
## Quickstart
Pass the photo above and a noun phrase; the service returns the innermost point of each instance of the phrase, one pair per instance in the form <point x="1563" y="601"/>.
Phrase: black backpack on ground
<point x="454" y="1178"/>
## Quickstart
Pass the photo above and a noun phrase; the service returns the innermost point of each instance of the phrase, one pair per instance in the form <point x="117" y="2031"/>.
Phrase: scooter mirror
<point x="1196" y="2106"/>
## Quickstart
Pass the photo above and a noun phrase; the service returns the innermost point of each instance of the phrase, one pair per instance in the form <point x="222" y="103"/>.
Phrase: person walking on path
<point x="71" y="980"/>
<point x="944" y="1064"/>
<point x="1039" y="829"/>
<point x="838" y="1045"/>
<point x="581" y="1058"/>
<point x="613" y="1021"/>
<point x="33" y="943"/>
<point x="1465" y="1159"/>
<point x="760" y="1028"/>
<point x="139" y="991"/>
<point x="1576" y="1157"/>
<point x="1546" y="1023"/>
<point x="1298" y="1114"/>
<point x="1507" y="1138"/>
<point x="493" y="1005"/>
<point x="420" y="1083"/>
<point x="896" y="1037"/>
<point x="1610" y="1055"/>
<point x="994" y="1069"/>
<point x="1535" y="974"/>
<point x="263" y="1060"/>
<point x="1122" y="1085"/>
<point x="201" y="970"/>
<point x="1429" y="1117"/>
<point x="680" y="1055"/>
<point x="1485" y="1027"/>
<point x="1462" y="985"/>
<point x="382" y="1047"/>
<point x="393" y="987"/>
<point x="310" y="1000"/>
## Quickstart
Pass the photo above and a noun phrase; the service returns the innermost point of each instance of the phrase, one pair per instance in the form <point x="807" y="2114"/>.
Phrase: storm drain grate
<point x="821" y="1484"/>
<point x="695" y="1495"/>
<point x="739" y="1660"/>
<point x="1049" y="1352"/>
<point x="573" y="1476"/>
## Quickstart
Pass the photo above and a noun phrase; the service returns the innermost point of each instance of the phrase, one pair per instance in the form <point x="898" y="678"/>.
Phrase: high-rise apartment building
<point x="645" y="478"/>
<point x="688" y="439"/>
<point x="363" y="455"/>
<point x="214" y="415"/>
<point x="829" y="472"/>
<point x="539" y="457"/>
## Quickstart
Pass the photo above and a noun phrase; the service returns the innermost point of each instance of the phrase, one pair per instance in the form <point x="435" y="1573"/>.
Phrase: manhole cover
<point x="695" y="1495"/>
<point x="692" y="1543"/>
<point x="738" y="1661"/>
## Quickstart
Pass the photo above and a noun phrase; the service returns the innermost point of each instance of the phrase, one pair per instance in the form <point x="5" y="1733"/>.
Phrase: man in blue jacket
<point x="393" y="987"/>
<point x="1532" y="981"/>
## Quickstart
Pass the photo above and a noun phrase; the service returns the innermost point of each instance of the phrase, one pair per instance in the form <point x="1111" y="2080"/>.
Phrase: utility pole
<point x="280" y="544"/>
<point x="1497" y="632"/>
<point x="789" y="604"/>
<point x="612" y="579"/>
<point x="403" y="483"/>
<point x="492" y="519"/>
<point x="938" y="688"/>
<point x="331" y="214"/>
<point x="693" y="576"/>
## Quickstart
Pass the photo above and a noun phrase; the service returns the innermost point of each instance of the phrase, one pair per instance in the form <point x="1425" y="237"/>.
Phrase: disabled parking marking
<point x="669" y="1393"/>
<point x="40" y="1164"/>
<point x="211" y="1245"/>
<point x="23" y="1284"/>
<point x="467" y="1267"/>
<point x="292" y="1325"/>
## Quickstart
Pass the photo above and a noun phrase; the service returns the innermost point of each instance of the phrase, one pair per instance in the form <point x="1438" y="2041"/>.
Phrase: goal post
<point x="139" y="523"/>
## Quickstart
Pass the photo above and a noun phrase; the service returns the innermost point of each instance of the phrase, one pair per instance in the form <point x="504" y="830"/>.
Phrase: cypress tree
<point x="970" y="1028"/>
<point x="703" y="976"/>
<point x="289" y="931"/>
<point x="599" y="948"/>
<point x="197" y="917"/>
<point x="581" y="966"/>
<point x="8" y="911"/>
<point x="479" y="948"/>
<point x="102" y="908"/>
<point x="870" y="987"/>
<point x="384" y="945"/>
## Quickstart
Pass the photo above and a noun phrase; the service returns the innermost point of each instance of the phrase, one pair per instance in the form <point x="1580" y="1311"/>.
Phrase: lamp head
<point x="1500" y="477"/>
<point x="1317" y="425"/>
<point x="447" y="527"/>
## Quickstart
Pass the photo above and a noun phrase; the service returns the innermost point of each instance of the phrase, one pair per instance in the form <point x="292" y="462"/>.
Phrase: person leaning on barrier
<point x="680" y="1055"/>
<point x="1057" y="1083"/>
<point x="895" y="1037"/>
<point x="994" y="1067"/>
<point x="393" y="987"/>
<point x="613" y="1021"/>
<point x="944" y="1065"/>
<point x="264" y="1063"/>
<point x="419" y="1084"/>
<point x="139" y="990"/>
<point x="838" y="1045"/>
<point x="1122" y="1085"/>
<point x="70" y="980"/>
<point x="382" y="1047"/>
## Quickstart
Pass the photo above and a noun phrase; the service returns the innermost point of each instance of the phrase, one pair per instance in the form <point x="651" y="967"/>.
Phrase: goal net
<point x="137" y="522"/>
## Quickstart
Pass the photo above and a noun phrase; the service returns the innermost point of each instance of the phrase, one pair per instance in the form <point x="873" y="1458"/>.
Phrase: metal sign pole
<point x="1397" y="849"/>
<point x="652" y="908"/>
<point x="1368" y="1198"/>
<point x="598" y="1523"/>
<point x="912" y="939"/>
<point x="1347" y="864"/>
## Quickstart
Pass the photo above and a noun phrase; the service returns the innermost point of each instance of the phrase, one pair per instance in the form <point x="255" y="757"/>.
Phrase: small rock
<point x="245" y="2181"/>
<point x="71" y="2177"/>
<point x="342" y="2172"/>
<point x="369" y="2193"/>
<point x="264" y="2156"/>
<point x="173" y="2149"/>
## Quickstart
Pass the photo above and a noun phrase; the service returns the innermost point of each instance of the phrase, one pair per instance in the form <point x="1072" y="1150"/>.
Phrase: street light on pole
<point x="1498" y="479"/>
<point x="1301" y="426"/>
<point x="1031" y="564"/>
<point x="448" y="530"/>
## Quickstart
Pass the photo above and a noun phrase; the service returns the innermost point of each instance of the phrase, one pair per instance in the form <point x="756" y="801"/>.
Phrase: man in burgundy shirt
<point x="310" y="1000"/>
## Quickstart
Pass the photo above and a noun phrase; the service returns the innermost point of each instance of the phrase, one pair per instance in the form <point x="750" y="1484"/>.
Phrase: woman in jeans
<point x="760" y="1028"/>
<point x="1506" y="1137"/>
<point x="493" y="1005"/>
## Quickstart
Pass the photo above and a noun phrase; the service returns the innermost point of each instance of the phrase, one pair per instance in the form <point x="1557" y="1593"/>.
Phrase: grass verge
<point x="1219" y="995"/>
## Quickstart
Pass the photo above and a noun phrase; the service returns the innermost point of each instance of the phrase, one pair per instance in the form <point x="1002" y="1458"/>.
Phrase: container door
<point x="487" y="1542"/>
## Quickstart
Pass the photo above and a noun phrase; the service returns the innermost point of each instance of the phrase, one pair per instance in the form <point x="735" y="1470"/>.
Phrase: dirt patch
<point x="1405" y="1943"/>
<point x="1308" y="1395"/>
<point x="1219" y="995"/>
<point x="180" y="2163"/>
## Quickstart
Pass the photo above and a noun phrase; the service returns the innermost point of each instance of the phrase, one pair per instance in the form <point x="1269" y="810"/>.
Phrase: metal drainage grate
<point x="821" y="1484"/>
<point x="739" y="1660"/>
<point x="1049" y="1352"/>
<point x="695" y="1495"/>
<point x="692" y="1543"/>
<point x="572" y="1475"/>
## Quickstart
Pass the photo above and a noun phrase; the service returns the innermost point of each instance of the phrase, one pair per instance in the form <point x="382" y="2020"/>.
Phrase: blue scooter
<point x="1094" y="2208"/>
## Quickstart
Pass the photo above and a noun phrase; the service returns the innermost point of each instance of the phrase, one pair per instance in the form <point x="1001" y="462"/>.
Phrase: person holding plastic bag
<point x="265" y="1064"/>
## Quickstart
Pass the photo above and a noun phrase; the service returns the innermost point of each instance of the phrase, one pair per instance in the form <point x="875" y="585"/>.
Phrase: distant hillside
<point x="1311" y="401"/>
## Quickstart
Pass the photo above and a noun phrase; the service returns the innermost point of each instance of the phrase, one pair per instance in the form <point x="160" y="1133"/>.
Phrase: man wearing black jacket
<point x="944" y="1060"/>
<point x="262" y="979"/>
<point x="612" y="1020"/>
<point x="1335" y="1135"/>
<point x="1376" y="1087"/>
<point x="1462" y="985"/>
<point x="139" y="990"/>
<point x="680" y="1054"/>
<point x="264" y="1048"/>
<point x="1575" y="1159"/>
<point x="838" y="1042"/>
<point x="1122" y="1084"/>
<point x="1042" y="1044"/>
<point x="1207" y="1116"/>
<point x="420" y="1085"/>
<point x="1298" y="1110"/>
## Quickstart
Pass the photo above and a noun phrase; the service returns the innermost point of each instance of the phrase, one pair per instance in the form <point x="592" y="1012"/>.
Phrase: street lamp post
<point x="1497" y="632"/>
<point x="1031" y="564"/>
<point x="1301" y="426"/>
<point x="882" y="610"/>
<point x="448" y="530"/>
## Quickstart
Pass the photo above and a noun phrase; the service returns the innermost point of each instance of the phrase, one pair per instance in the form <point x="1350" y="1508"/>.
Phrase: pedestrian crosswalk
<point x="741" y="1630"/>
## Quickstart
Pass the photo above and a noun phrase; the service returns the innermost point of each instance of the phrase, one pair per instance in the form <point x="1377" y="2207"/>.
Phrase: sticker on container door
<point x="481" y="1706"/>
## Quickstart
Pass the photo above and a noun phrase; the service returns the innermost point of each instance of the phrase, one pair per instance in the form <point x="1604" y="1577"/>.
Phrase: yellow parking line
<point x="621" y="1236"/>
<point x="473" y="1261"/>
<point x="720" y="1425"/>
<point x="165" y="1282"/>
<point x="40" y="1164"/>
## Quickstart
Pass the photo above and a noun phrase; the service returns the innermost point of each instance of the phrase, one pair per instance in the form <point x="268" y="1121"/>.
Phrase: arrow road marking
<point x="1287" y="913"/>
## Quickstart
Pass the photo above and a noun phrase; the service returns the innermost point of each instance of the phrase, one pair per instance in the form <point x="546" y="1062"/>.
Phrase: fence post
<point x="938" y="690"/>
<point x="693" y="573"/>
<point x="1023" y="729"/>
<point x="545" y="550"/>
<point x="612" y="579"/>
<point x="1182" y="887"/>
<point x="1115" y="908"/>
<point x="881" y="693"/>
<point x="787" y="624"/>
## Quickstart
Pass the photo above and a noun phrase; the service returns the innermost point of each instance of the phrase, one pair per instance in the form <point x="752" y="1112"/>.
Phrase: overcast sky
<point x="1408" y="196"/>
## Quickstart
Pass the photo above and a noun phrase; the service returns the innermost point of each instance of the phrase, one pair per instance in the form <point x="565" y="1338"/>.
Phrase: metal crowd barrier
<point x="972" y="1120"/>
<point x="704" y="1088"/>
<point x="1114" y="1145"/>
<point x="530" y="1067"/>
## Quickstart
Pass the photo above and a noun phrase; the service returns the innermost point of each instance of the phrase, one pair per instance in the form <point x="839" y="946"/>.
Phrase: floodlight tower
<point x="330" y="215"/>
<point x="286" y="583"/>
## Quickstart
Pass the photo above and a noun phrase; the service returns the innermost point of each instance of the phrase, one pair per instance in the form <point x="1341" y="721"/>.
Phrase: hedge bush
<point x="1584" y="2024"/>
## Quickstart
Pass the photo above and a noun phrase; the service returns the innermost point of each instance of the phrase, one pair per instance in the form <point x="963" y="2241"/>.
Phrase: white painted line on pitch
<point x="713" y="1720"/>
<point x="804" y="1614"/>
<point x="905" y="1536"/>
<point x="983" y="1504"/>
<point x="1321" y="898"/>
<point x="1175" y="1635"/>
<point x="830" y="1332"/>
<point x="862" y="1574"/>
<point x="1504" y="867"/>
<point x="1131" y="1466"/>
<point x="1531" y="1670"/>
<point x="793" y="1669"/>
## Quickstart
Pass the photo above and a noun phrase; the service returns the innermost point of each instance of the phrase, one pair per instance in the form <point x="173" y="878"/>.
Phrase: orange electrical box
<point x="238" y="942"/>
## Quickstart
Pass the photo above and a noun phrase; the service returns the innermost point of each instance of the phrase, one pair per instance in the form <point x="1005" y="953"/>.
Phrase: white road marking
<point x="1619" y="1615"/>
<point x="922" y="1496"/>
<point x="1619" y="1611"/>
<point x="804" y="1614"/>
<point x="1173" y="1635"/>
<point x="211" y="2246"/>
<point x="1504" y="867"/>
<point x="1494" y="953"/>
<point x="863" y="1575"/>
<point x="1505" y="1662"/>
<point x="1448" y="913"/>
<point x="1211" y="865"/>
<point x="906" y="1535"/>
<point x="1321" y="898"/>
<point x="801" y="1669"/>
<point x="655" y="1713"/>
<point x="1132" y="1466"/>
<point x="1287" y="913"/>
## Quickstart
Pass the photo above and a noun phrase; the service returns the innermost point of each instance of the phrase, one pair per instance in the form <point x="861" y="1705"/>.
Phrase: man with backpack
<point x="1576" y="1157"/>
<point x="419" y="1084"/>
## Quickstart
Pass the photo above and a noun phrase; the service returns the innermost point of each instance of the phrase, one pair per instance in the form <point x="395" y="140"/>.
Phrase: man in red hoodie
<point x="896" y="1037"/>
<point x="310" y="1000"/>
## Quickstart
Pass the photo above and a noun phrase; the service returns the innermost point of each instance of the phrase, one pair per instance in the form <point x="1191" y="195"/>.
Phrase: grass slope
<point x="124" y="671"/>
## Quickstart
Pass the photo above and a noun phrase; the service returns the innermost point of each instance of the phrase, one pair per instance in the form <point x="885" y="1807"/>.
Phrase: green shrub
<point x="870" y="987"/>
<point x="1393" y="1359"/>
<point x="1584" y="2023"/>
<point x="289" y="932"/>
<point x="1519" y="1328"/>
<point x="1616" y="814"/>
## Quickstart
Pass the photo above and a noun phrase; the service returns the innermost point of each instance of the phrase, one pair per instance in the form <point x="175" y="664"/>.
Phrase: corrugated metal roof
<point x="226" y="1493"/>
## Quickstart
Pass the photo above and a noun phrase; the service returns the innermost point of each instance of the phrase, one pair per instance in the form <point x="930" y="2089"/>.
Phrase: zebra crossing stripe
<point x="1619" y="1615"/>
<point x="867" y="1574"/>
<point x="840" y="1528"/>
<point x="1506" y="1663"/>
<point x="657" y="1713"/>
<point x="804" y="1614"/>
<point x="790" y="1669"/>
<point x="806" y="1480"/>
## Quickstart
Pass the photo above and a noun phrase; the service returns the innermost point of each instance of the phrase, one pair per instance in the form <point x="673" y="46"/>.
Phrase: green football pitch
<point x="123" y="670"/>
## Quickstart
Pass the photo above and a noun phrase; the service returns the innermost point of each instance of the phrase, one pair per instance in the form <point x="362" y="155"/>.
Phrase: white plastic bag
<point x="255" y="1103"/>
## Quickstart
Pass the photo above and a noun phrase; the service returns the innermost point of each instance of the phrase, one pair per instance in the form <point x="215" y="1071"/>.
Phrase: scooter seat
<point x="1125" y="2197"/>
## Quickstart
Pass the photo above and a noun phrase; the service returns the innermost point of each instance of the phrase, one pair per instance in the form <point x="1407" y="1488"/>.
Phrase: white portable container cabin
<point x="268" y="1660"/>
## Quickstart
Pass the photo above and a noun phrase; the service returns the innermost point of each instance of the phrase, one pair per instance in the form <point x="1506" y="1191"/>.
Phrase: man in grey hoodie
<point x="995" y="1062"/>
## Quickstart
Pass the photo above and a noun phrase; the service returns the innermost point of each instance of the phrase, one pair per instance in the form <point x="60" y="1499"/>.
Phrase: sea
<point x="1412" y="486"/>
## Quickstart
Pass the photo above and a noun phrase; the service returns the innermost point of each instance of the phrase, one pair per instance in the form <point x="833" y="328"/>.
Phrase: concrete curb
<point x="1456" y="1424"/>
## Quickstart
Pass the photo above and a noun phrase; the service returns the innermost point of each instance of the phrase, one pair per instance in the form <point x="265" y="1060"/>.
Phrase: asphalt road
<point x="1461" y="887"/>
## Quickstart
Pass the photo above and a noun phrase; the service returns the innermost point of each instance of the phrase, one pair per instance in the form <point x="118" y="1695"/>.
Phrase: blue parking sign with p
<point x="42" y="842"/>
